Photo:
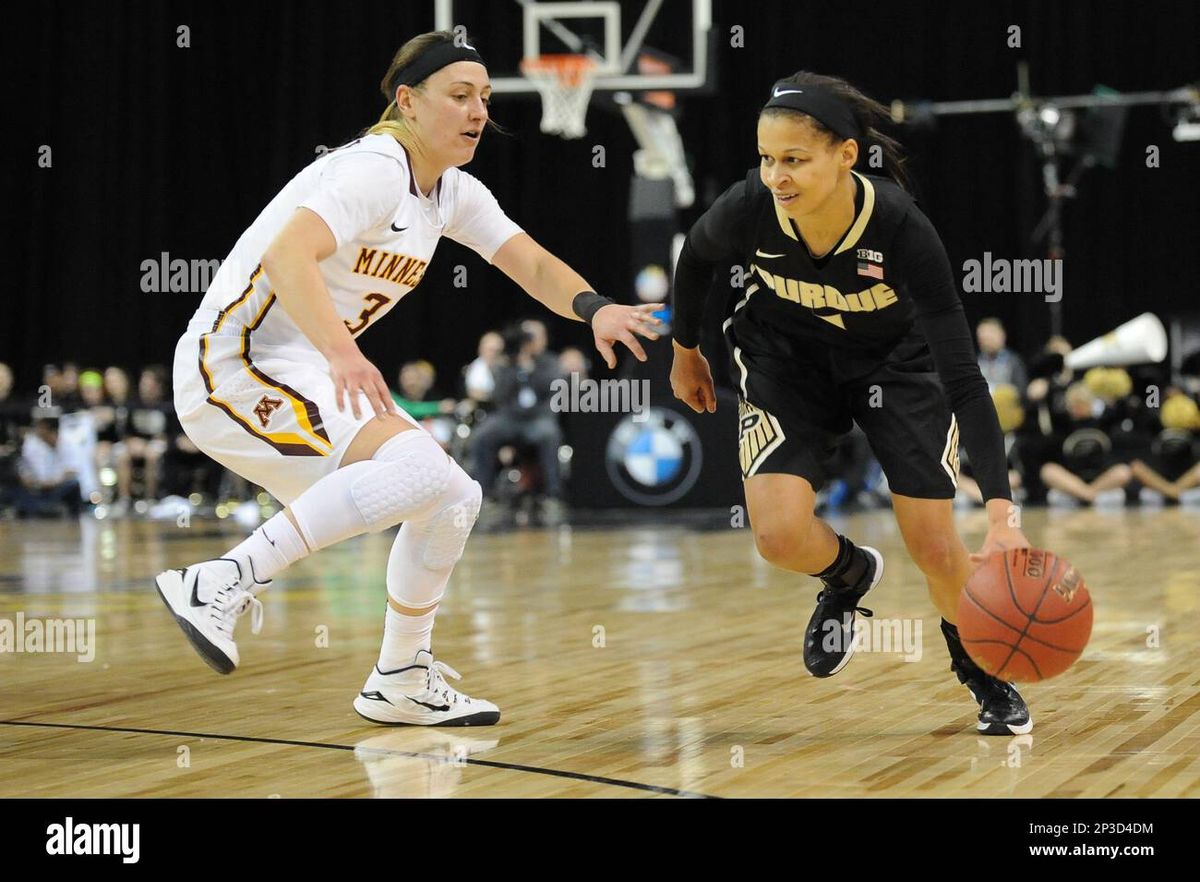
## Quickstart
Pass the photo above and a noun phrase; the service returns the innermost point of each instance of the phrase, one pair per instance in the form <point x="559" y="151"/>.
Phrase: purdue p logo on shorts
<point x="758" y="436"/>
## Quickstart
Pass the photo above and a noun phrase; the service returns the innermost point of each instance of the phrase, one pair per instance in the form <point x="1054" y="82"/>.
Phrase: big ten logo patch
<point x="265" y="408"/>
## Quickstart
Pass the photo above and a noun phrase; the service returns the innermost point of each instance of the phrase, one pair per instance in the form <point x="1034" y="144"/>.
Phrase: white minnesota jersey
<point x="386" y="232"/>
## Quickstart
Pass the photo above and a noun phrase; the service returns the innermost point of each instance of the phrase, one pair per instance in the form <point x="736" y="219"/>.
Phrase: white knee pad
<point x="446" y="534"/>
<point x="407" y="475"/>
<point x="425" y="551"/>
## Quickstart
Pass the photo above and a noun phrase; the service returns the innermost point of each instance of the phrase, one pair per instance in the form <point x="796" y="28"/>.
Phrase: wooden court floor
<point x="646" y="660"/>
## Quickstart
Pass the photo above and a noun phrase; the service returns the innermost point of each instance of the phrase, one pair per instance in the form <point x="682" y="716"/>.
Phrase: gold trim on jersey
<point x="856" y="229"/>
<point x="759" y="435"/>
<point x="316" y="440"/>
<point x="785" y="222"/>
<point x="864" y="216"/>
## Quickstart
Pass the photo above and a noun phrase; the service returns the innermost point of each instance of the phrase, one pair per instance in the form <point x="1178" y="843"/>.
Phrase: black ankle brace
<point x="848" y="567"/>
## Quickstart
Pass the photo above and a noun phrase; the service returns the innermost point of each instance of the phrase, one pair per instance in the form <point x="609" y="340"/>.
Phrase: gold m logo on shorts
<point x="758" y="436"/>
<point x="265" y="407"/>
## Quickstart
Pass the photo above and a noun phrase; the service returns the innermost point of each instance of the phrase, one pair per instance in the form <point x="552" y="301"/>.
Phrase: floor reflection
<point x="419" y="762"/>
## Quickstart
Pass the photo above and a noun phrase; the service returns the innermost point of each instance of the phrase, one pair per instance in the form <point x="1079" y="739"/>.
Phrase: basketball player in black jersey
<point x="849" y="312"/>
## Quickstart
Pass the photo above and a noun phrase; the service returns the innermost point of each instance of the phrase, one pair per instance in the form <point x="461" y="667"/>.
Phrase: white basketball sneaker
<point x="419" y="696"/>
<point x="207" y="599"/>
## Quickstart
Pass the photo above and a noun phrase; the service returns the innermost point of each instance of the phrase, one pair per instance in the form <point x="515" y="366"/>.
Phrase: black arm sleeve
<point x="925" y="269"/>
<point x="715" y="237"/>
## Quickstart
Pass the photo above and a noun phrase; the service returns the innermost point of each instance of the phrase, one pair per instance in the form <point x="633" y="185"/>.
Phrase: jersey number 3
<point x="375" y="302"/>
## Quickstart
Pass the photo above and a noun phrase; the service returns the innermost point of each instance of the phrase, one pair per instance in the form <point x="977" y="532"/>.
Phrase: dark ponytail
<point x="869" y="113"/>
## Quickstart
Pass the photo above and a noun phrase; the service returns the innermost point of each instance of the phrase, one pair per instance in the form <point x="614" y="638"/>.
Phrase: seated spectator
<point x="538" y="337"/>
<point x="418" y="399"/>
<point x="1050" y="378"/>
<point x="51" y="384"/>
<point x="416" y="396"/>
<point x="68" y="396"/>
<point x="1000" y="366"/>
<point x="116" y="389"/>
<point x="1174" y="468"/>
<point x="1084" y="469"/>
<point x="522" y="412"/>
<point x="477" y="376"/>
<point x="145" y="441"/>
<point x="14" y="417"/>
<point x="112" y="422"/>
<point x="572" y="361"/>
<point x="77" y="434"/>
<point x="47" y="483"/>
<point x="1047" y="422"/>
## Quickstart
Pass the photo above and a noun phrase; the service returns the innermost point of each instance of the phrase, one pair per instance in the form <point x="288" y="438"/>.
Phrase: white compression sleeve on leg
<point x="405" y="479"/>
<point x="426" y="549"/>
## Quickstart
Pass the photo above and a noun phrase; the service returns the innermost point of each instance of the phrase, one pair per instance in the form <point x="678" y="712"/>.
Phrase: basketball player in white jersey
<point x="270" y="382"/>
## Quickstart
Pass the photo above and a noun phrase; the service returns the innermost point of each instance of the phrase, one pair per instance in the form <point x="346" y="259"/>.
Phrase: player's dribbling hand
<point x="691" y="380"/>
<point x="1000" y="537"/>
<point x="352" y="373"/>
<point x="614" y="323"/>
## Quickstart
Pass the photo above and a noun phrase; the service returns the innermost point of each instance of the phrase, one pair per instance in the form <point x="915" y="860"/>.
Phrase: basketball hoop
<point x="565" y="84"/>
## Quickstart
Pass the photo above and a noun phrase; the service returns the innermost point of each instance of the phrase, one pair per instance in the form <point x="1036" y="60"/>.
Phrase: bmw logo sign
<point x="654" y="459"/>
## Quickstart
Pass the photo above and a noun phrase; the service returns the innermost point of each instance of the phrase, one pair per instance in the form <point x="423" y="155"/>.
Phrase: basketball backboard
<point x="613" y="34"/>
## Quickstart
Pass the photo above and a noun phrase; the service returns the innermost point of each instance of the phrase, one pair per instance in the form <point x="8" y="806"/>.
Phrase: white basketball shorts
<point x="268" y="414"/>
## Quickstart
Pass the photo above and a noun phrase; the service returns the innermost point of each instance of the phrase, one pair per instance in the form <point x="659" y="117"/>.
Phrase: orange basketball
<point x="1025" y="615"/>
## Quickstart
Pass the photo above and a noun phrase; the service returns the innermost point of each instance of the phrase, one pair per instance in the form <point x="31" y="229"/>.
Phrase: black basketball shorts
<point x="793" y="426"/>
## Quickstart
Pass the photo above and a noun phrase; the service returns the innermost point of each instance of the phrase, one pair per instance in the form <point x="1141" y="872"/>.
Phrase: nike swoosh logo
<point x="196" y="601"/>
<point x="779" y="92"/>
<point x="764" y="254"/>
<point x="396" y="229"/>
<point x="432" y="707"/>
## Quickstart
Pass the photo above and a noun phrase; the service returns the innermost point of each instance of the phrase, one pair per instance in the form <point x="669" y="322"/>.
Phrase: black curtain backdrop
<point x="157" y="149"/>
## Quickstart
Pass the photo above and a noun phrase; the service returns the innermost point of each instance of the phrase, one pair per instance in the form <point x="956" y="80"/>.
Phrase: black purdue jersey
<point x="884" y="293"/>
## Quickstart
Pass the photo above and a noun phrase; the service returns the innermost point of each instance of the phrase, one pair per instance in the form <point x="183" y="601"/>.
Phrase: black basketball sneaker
<point x="829" y="638"/>
<point x="1002" y="711"/>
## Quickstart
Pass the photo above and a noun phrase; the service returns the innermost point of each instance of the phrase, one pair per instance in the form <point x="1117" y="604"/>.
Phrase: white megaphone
<point x="1138" y="341"/>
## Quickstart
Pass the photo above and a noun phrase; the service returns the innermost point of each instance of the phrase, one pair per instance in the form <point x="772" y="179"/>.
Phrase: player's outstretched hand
<point x="691" y="380"/>
<point x="352" y="373"/>
<point x="615" y="323"/>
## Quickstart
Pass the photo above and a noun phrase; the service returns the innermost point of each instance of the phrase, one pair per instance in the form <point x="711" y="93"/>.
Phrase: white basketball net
<point x="566" y="89"/>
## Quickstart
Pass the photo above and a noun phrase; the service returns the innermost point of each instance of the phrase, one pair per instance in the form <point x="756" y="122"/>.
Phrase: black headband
<point x="432" y="60"/>
<point x="819" y="102"/>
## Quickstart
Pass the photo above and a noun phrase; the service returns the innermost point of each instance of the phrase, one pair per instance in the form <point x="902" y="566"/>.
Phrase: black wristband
<point x="587" y="303"/>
